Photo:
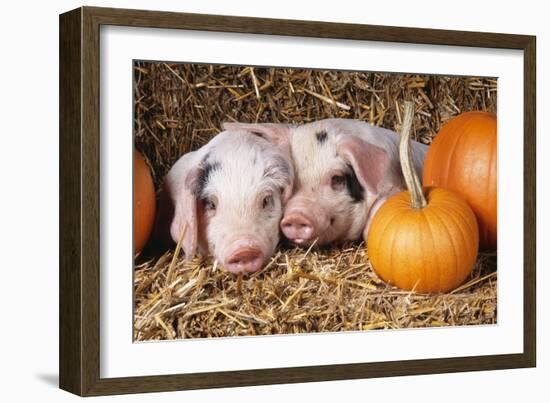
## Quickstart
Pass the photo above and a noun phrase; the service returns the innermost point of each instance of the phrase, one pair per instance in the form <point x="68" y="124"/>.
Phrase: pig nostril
<point x="244" y="259"/>
<point x="331" y="220"/>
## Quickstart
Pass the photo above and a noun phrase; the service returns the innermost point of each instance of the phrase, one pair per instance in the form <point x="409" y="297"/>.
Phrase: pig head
<point x="228" y="197"/>
<point x="345" y="169"/>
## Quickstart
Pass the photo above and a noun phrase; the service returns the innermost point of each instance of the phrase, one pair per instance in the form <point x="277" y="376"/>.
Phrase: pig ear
<point x="273" y="132"/>
<point x="180" y="186"/>
<point x="369" y="162"/>
<point x="185" y="219"/>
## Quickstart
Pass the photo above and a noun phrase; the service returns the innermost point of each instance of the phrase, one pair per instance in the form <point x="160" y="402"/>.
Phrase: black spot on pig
<point x="205" y="171"/>
<point x="321" y="137"/>
<point x="354" y="188"/>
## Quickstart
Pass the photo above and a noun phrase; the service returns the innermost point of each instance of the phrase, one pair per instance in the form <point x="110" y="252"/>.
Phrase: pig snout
<point x="304" y="221"/>
<point x="298" y="227"/>
<point x="244" y="257"/>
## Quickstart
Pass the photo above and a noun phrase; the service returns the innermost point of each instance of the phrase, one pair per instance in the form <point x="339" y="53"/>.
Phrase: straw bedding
<point x="179" y="107"/>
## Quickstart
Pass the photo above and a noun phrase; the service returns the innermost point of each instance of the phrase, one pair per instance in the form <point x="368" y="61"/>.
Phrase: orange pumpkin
<point x="144" y="202"/>
<point x="424" y="240"/>
<point x="463" y="158"/>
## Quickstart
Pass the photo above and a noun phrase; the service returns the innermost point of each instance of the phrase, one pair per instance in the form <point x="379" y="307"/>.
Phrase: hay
<point x="179" y="107"/>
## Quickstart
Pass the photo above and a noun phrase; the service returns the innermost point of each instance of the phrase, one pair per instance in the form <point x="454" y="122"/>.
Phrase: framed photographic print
<point x="249" y="201"/>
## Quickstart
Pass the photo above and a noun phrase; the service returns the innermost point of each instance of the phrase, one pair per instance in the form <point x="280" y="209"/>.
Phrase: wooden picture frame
<point x="79" y="347"/>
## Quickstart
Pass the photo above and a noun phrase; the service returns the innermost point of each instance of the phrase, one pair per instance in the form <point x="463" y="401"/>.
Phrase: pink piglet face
<point x="229" y="196"/>
<point x="328" y="203"/>
<point x="241" y="199"/>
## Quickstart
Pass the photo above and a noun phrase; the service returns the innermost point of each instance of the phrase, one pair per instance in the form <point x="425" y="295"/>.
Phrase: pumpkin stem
<point x="407" y="166"/>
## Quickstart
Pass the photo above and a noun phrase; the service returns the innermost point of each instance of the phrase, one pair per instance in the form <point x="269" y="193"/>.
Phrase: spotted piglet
<point x="229" y="197"/>
<point x="345" y="169"/>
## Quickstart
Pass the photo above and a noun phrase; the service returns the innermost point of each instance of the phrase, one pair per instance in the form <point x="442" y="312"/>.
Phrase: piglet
<point x="229" y="197"/>
<point x="345" y="170"/>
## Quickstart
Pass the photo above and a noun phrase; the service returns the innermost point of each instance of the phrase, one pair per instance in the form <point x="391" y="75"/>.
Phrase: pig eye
<point x="209" y="205"/>
<point x="338" y="182"/>
<point x="267" y="202"/>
